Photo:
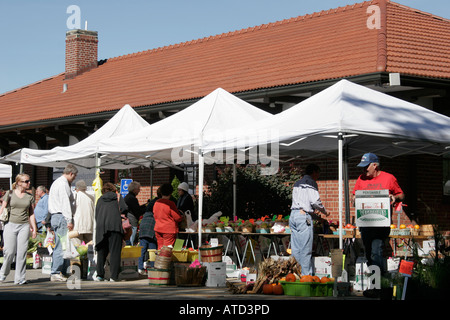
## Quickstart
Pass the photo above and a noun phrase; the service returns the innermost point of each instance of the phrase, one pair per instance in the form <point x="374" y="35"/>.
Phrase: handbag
<point x="127" y="229"/>
<point x="4" y="216"/>
<point x="126" y="225"/>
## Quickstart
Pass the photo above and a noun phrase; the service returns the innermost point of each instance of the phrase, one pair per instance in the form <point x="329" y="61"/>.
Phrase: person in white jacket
<point x="84" y="213"/>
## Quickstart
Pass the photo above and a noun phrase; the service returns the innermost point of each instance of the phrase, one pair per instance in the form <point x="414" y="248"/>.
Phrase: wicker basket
<point x="189" y="277"/>
<point x="211" y="254"/>
<point x="158" y="277"/>
<point x="162" y="262"/>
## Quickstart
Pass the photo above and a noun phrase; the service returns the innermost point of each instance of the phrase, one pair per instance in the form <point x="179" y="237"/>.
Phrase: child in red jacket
<point x="167" y="217"/>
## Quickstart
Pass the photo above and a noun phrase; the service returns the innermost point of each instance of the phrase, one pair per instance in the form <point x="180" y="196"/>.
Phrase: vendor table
<point x="232" y="238"/>
<point x="348" y="242"/>
<point x="275" y="239"/>
<point x="408" y="239"/>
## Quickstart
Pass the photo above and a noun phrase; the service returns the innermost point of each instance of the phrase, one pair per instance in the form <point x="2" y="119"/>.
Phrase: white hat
<point x="183" y="186"/>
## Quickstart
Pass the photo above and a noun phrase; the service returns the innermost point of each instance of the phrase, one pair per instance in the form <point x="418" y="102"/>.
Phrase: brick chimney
<point x="81" y="51"/>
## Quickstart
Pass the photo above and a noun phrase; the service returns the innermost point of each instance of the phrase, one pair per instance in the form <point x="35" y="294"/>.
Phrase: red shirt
<point x="166" y="216"/>
<point x="384" y="181"/>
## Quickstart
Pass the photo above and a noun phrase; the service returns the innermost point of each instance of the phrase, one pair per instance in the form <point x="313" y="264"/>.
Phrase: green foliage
<point x="175" y="183"/>
<point x="256" y="195"/>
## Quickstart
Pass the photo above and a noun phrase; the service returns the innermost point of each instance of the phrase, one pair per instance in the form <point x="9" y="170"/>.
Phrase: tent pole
<point x="346" y="188"/>
<point x="340" y="158"/>
<point x="98" y="162"/>
<point x="234" y="191"/>
<point x="151" y="179"/>
<point x="201" y="167"/>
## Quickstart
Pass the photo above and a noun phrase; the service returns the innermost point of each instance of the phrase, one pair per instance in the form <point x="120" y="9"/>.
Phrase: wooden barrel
<point x="211" y="254"/>
<point x="158" y="277"/>
<point x="162" y="262"/>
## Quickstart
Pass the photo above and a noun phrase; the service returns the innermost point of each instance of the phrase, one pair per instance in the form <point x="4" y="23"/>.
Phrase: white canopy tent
<point x="6" y="172"/>
<point x="351" y="117"/>
<point x="180" y="137"/>
<point x="85" y="153"/>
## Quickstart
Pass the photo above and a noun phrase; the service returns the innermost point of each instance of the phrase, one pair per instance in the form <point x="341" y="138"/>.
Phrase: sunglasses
<point x="26" y="181"/>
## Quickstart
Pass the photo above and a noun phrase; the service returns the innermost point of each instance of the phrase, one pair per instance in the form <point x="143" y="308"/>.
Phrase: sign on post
<point x="124" y="186"/>
<point x="373" y="208"/>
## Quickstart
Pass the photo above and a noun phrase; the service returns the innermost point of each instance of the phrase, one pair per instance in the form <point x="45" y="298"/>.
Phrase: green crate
<point x="300" y="289"/>
<point x="307" y="289"/>
<point x="325" y="289"/>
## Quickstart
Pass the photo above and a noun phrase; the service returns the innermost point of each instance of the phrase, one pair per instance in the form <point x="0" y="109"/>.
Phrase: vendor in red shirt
<point x="373" y="178"/>
<point x="167" y="218"/>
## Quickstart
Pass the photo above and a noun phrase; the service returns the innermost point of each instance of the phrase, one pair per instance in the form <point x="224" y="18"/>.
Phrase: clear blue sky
<point x="32" y="32"/>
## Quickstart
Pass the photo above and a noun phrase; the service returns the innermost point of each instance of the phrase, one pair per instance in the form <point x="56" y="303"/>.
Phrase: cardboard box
<point x="129" y="264"/>
<point x="322" y="266"/>
<point x="46" y="264"/>
<point x="216" y="274"/>
<point x="372" y="208"/>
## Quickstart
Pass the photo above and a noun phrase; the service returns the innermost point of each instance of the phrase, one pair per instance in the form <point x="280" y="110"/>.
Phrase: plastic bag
<point x="70" y="251"/>
<point x="49" y="240"/>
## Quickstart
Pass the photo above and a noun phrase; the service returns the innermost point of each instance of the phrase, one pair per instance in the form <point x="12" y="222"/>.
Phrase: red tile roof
<point x="329" y="44"/>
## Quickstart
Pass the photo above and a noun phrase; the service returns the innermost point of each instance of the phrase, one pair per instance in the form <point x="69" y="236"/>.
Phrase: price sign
<point x="406" y="268"/>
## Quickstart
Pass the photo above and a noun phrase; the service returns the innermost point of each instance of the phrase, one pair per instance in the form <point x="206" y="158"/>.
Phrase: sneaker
<point x="99" y="279"/>
<point x="2" y="278"/>
<point x="57" y="278"/>
<point x="142" y="272"/>
<point x="23" y="282"/>
<point x="112" y="280"/>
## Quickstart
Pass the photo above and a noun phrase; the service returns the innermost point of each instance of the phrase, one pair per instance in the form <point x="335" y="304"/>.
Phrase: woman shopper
<point x="109" y="232"/>
<point x="17" y="229"/>
<point x="84" y="213"/>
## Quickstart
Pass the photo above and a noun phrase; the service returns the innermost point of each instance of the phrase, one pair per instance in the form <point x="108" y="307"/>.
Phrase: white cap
<point x="183" y="186"/>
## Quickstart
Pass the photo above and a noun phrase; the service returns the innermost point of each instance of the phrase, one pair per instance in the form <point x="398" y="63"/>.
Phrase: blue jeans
<point x="59" y="226"/>
<point x="132" y="237"/>
<point x="302" y="239"/>
<point x="146" y="244"/>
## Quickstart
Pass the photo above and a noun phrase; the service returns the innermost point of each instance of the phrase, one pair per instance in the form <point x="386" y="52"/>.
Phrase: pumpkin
<point x="268" y="288"/>
<point x="306" y="278"/>
<point x="324" y="280"/>
<point x="290" y="277"/>
<point x="315" y="279"/>
<point x="278" y="289"/>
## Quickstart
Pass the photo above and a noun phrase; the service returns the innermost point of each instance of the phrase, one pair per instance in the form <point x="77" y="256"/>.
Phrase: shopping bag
<point x="127" y="229"/>
<point x="49" y="240"/>
<point x="70" y="251"/>
<point x="4" y="215"/>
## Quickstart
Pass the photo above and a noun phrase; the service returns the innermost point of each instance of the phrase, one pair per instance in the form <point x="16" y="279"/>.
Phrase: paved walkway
<point x="41" y="288"/>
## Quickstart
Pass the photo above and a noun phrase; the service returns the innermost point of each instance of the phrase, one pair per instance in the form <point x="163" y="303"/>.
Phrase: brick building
<point x="272" y="66"/>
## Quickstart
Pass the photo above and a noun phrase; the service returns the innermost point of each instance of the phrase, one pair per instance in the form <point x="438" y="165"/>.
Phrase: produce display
<point x="405" y="230"/>
<point x="270" y="272"/>
<point x="276" y="224"/>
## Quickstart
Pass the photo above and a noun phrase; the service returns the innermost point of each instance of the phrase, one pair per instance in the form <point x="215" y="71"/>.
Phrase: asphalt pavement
<point x="143" y="299"/>
<point x="39" y="287"/>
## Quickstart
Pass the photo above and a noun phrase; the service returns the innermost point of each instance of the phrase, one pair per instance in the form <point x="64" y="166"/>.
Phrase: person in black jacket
<point x="185" y="202"/>
<point x="109" y="232"/>
<point x="135" y="210"/>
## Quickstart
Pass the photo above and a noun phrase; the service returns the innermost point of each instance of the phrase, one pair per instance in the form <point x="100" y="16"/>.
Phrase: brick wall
<point x="420" y="177"/>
